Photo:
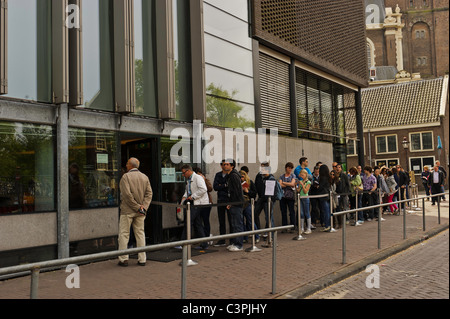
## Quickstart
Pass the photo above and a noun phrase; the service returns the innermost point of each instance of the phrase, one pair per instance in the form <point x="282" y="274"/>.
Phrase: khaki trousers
<point x="137" y="221"/>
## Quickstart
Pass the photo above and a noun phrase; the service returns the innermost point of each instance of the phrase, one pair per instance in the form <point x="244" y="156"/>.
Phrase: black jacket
<point x="235" y="192"/>
<point x="221" y="187"/>
<point x="431" y="179"/>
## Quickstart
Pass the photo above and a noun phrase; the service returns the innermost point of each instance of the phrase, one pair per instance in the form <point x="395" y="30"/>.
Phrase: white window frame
<point x="421" y="159"/>
<point x="387" y="144"/>
<point x="421" y="141"/>
<point x="355" y="146"/>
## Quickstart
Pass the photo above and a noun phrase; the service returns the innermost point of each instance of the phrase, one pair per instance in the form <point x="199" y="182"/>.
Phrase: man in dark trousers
<point x="221" y="187"/>
<point x="235" y="196"/>
<point x="436" y="181"/>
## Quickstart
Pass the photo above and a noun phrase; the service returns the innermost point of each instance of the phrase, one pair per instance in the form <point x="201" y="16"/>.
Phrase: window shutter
<point x="275" y="99"/>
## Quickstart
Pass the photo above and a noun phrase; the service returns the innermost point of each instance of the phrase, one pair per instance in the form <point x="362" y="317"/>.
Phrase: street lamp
<point x="405" y="144"/>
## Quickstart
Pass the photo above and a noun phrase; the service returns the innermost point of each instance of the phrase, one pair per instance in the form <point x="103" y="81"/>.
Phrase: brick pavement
<point x="227" y="275"/>
<point x="421" y="272"/>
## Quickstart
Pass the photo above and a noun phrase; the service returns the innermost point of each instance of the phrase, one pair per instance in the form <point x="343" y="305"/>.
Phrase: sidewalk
<point x="302" y="266"/>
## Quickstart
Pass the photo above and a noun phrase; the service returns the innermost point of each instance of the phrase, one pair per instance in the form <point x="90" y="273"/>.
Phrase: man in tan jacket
<point x="136" y="196"/>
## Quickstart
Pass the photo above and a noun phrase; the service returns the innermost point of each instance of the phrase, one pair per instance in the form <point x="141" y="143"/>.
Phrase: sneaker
<point x="308" y="231"/>
<point x="369" y="219"/>
<point x="230" y="246"/>
<point x="326" y="229"/>
<point x="220" y="244"/>
<point x="235" y="248"/>
<point x="359" y="223"/>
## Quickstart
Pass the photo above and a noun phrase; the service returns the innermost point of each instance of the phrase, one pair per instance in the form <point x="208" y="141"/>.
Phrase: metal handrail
<point x="36" y="268"/>
<point x="344" y="214"/>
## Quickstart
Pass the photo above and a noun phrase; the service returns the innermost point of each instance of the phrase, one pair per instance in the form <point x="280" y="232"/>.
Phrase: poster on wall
<point x="168" y="175"/>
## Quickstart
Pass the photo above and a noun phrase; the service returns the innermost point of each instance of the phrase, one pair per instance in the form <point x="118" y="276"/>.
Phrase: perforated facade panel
<point x="328" y="34"/>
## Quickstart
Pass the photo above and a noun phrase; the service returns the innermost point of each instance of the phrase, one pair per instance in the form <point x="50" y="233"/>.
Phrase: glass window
<point x="418" y="163"/>
<point x="29" y="50"/>
<point x="237" y="8"/>
<point x="98" y="63"/>
<point x="223" y="111"/>
<point x="392" y="143"/>
<point x="387" y="144"/>
<point x="145" y="58"/>
<point x="421" y="141"/>
<point x="93" y="169"/>
<point x="226" y="55"/>
<point x="222" y="25"/>
<point x="182" y="50"/>
<point x="381" y="144"/>
<point x="27" y="168"/>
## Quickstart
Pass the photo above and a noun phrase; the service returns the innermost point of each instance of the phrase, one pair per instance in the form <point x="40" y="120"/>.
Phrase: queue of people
<point x="316" y="194"/>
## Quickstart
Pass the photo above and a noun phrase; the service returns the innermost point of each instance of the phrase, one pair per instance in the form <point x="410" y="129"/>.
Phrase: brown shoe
<point x="123" y="263"/>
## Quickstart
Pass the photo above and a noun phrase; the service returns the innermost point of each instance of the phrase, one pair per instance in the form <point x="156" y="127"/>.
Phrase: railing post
<point x="253" y="248"/>
<point x="274" y="263"/>
<point x="439" y="209"/>
<point x="404" y="220"/>
<point x="34" y="283"/>
<point x="380" y="214"/>
<point x="299" y="237"/>
<point x="184" y="263"/>
<point x="344" y="240"/>
<point x="190" y="262"/>
<point x="423" y="213"/>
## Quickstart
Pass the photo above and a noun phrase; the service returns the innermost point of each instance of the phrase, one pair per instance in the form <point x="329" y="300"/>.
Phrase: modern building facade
<point x="87" y="84"/>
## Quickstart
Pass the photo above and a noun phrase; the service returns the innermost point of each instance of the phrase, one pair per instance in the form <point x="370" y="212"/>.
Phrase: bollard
<point x="190" y="262"/>
<point x="253" y="248"/>
<point x="34" y="283"/>
<point x="299" y="237"/>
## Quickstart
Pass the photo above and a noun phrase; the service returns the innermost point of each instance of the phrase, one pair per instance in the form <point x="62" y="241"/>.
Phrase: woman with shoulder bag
<point x="288" y="183"/>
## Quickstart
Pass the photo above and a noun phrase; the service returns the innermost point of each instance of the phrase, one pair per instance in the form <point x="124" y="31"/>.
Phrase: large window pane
<point x="93" y="169"/>
<point x="427" y="141"/>
<point x="183" y="87"/>
<point x="223" y="25"/>
<point x="381" y="144"/>
<point x="226" y="55"/>
<point x="238" y="8"/>
<point x="29" y="50"/>
<point x="145" y="58"/>
<point x="98" y="61"/>
<point x="27" y="168"/>
<point x="392" y="143"/>
<point x="415" y="142"/>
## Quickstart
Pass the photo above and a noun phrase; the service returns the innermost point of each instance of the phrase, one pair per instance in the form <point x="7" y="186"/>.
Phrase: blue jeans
<point x="305" y="212"/>
<point x="248" y="221"/>
<point x="237" y="224"/>
<point x="325" y="208"/>
<point x="284" y="204"/>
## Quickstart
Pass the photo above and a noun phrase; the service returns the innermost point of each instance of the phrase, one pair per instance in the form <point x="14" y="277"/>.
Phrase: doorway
<point x="146" y="150"/>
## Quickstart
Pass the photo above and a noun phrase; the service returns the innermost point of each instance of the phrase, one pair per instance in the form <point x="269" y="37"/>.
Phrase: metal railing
<point x="37" y="268"/>
<point x="380" y="206"/>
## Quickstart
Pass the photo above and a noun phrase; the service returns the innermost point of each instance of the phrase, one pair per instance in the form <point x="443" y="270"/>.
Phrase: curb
<point x="359" y="266"/>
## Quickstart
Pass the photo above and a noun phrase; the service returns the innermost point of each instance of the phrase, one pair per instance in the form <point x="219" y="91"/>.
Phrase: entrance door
<point x="146" y="150"/>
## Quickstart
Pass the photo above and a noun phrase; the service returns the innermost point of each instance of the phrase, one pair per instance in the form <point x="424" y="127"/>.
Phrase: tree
<point x="223" y="111"/>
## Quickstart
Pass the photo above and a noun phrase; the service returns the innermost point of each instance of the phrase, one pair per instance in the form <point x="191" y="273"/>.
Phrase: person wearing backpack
<point x="262" y="202"/>
<point x="288" y="182"/>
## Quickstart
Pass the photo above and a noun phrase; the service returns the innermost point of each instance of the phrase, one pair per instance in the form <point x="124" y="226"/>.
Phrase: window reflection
<point x="97" y="55"/>
<point x="145" y="57"/>
<point x="93" y="169"/>
<point x="27" y="168"/>
<point x="29" y="50"/>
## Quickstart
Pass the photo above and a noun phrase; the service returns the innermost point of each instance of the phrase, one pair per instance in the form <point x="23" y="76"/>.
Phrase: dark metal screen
<point x="328" y="34"/>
